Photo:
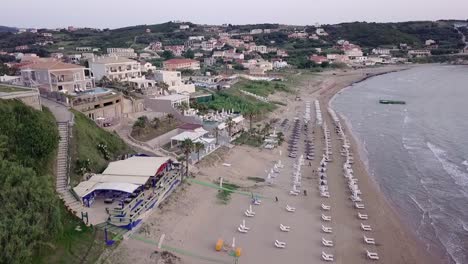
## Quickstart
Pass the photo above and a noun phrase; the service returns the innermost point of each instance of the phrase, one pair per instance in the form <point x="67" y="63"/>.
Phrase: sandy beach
<point x="193" y="218"/>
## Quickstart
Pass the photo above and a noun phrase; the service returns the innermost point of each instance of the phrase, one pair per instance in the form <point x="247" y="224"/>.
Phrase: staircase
<point x="62" y="184"/>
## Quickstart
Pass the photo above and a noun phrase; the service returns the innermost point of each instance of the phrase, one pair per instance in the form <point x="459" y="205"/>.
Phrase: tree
<point x="170" y="118"/>
<point x="3" y="145"/>
<point x="167" y="55"/>
<point x="142" y="122"/>
<point x="280" y="137"/>
<point x="155" y="123"/>
<point x="197" y="147"/>
<point x="187" y="147"/>
<point x="216" y="134"/>
<point x="230" y="124"/>
<point x="183" y="107"/>
<point x="266" y="129"/>
<point x="189" y="54"/>
<point x="164" y="87"/>
<point x="251" y="112"/>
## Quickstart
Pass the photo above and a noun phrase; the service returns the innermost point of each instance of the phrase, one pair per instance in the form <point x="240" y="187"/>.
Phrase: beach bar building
<point x="128" y="188"/>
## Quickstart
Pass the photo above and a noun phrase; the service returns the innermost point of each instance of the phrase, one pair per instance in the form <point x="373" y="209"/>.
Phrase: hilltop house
<point x="115" y="68"/>
<point x="181" y="64"/>
<point x="122" y="52"/>
<point x="174" y="80"/>
<point x="54" y="76"/>
<point x="419" y="53"/>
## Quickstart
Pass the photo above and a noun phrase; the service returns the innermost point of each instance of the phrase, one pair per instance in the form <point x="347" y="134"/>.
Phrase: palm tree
<point x="164" y="87"/>
<point x="170" y="117"/>
<point x="216" y="134"/>
<point x="251" y="112"/>
<point x="230" y="124"/>
<point x="155" y="122"/>
<point x="266" y="129"/>
<point x="187" y="148"/>
<point x="182" y="107"/>
<point x="197" y="147"/>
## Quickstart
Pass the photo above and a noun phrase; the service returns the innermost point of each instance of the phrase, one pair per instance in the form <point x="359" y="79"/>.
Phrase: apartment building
<point x="181" y="64"/>
<point x="122" y="52"/>
<point x="54" y="76"/>
<point x="115" y="68"/>
<point x="174" y="80"/>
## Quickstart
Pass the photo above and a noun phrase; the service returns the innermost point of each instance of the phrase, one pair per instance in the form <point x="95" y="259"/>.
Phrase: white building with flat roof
<point x="174" y="80"/>
<point x="115" y="68"/>
<point x="122" y="52"/>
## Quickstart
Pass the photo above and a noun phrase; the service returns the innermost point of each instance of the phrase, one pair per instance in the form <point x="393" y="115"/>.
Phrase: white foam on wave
<point x="460" y="177"/>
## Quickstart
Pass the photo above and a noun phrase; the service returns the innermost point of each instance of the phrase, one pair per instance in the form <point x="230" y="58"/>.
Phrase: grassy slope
<point x="233" y="99"/>
<point x="86" y="136"/>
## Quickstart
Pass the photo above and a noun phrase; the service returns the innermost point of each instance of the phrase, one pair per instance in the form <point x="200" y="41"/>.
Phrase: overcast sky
<point x="120" y="13"/>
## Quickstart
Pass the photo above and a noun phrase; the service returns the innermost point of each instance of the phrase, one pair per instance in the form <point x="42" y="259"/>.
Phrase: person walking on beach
<point x="276" y="198"/>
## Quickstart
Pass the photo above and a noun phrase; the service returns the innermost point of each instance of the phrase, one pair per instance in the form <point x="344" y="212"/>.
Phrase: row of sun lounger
<point x="353" y="184"/>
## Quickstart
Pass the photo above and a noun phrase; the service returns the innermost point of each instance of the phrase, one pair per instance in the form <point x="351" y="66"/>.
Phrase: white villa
<point x="115" y="68"/>
<point x="174" y="80"/>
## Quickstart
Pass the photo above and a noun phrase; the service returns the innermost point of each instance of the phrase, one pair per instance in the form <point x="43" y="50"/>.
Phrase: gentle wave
<point x="460" y="177"/>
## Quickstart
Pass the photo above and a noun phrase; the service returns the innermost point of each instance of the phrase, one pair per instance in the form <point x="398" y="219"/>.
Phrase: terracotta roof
<point x="52" y="65"/>
<point x="179" y="61"/>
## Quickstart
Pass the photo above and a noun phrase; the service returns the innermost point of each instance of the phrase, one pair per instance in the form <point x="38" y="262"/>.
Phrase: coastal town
<point x="214" y="143"/>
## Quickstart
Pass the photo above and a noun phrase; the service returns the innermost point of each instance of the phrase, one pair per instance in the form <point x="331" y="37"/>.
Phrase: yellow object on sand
<point x="219" y="245"/>
<point x="238" y="252"/>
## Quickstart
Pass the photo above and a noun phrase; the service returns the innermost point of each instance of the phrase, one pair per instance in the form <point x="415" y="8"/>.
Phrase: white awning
<point x="192" y="135"/>
<point x="101" y="178"/>
<point x="87" y="187"/>
<point x="136" y="166"/>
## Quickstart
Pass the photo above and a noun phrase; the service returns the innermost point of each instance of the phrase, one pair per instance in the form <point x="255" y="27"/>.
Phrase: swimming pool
<point x="97" y="90"/>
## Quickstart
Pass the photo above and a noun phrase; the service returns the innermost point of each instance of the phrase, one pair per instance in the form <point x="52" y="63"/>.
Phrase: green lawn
<point x="10" y="89"/>
<point x="86" y="138"/>
<point x="73" y="246"/>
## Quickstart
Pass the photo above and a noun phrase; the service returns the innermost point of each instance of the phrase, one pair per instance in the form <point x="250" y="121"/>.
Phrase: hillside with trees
<point x="30" y="211"/>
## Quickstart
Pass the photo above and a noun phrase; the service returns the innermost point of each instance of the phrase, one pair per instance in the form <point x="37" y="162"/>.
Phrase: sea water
<point x="418" y="153"/>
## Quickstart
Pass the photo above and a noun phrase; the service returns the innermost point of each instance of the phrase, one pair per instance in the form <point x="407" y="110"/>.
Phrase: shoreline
<point x="193" y="218"/>
<point x="418" y="251"/>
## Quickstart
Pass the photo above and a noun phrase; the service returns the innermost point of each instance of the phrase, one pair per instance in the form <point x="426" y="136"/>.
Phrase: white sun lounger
<point x="326" y="207"/>
<point x="327" y="243"/>
<point x="366" y="227"/>
<point x="372" y="255"/>
<point x="359" y="205"/>
<point x="325" y="194"/>
<point x="280" y="244"/>
<point x="326" y="217"/>
<point x="242" y="230"/>
<point x="327" y="229"/>
<point x="363" y="216"/>
<point x="285" y="228"/>
<point x="243" y="225"/>
<point x="369" y="240"/>
<point x="248" y="214"/>
<point x="293" y="193"/>
<point x="327" y="257"/>
<point x="290" y="209"/>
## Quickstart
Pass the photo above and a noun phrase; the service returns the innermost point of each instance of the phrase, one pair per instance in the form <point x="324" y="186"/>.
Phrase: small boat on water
<point x="391" y="102"/>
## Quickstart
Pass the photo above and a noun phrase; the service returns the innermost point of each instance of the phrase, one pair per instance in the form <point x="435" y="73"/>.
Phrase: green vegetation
<point x="256" y="179"/>
<point x="250" y="139"/>
<point x="233" y="98"/>
<point x="144" y="129"/>
<point x="392" y="34"/>
<point x="30" y="216"/>
<point x="224" y="195"/>
<point x="88" y="143"/>
<point x="10" y="89"/>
